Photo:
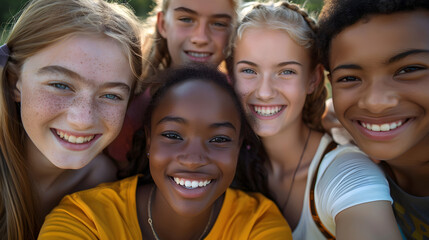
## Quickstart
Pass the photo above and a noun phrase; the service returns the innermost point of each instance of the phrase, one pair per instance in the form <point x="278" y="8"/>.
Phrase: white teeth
<point x="191" y="184"/>
<point x="200" y="55"/>
<point x="381" y="127"/>
<point x="74" y="139"/>
<point x="267" y="111"/>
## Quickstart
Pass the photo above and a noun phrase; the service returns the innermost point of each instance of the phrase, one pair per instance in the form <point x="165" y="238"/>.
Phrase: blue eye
<point x="112" y="97"/>
<point x="287" y="72"/>
<point x="172" y="135"/>
<point x="60" y="86"/>
<point x="248" y="71"/>
<point x="220" y="24"/>
<point x="220" y="139"/>
<point x="186" y="20"/>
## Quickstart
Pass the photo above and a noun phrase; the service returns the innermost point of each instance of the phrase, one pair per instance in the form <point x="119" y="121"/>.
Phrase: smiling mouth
<point x="191" y="183"/>
<point x="384" y="127"/>
<point x="267" y="111"/>
<point x="74" y="139"/>
<point x="198" y="54"/>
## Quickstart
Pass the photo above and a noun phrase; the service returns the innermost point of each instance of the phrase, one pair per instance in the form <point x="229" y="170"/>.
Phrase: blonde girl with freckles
<point x="68" y="70"/>
<point x="324" y="191"/>
<point x="179" y="32"/>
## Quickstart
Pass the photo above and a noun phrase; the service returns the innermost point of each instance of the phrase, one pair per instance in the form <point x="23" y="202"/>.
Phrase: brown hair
<point x="41" y="24"/>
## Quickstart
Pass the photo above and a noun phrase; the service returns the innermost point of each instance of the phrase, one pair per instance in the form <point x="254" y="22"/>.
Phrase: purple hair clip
<point x="4" y="55"/>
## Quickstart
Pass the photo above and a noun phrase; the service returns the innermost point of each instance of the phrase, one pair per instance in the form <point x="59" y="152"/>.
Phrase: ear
<point x="16" y="91"/>
<point x="160" y="24"/>
<point x="318" y="76"/>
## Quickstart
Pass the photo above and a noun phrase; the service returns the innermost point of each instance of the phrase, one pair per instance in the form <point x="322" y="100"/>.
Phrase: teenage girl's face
<point x="194" y="145"/>
<point x="73" y="98"/>
<point x="273" y="89"/>
<point x="380" y="83"/>
<point x="196" y="30"/>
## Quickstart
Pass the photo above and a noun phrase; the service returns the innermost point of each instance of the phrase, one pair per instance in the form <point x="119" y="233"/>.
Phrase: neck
<point x="411" y="169"/>
<point x="166" y="218"/>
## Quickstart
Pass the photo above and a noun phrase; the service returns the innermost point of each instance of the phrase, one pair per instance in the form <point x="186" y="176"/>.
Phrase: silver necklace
<point x="150" y="221"/>
<point x="296" y="170"/>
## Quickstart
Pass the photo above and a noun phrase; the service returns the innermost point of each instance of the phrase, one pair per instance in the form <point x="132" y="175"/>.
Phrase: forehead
<point x="381" y="35"/>
<point x="199" y="100"/>
<point x="205" y="7"/>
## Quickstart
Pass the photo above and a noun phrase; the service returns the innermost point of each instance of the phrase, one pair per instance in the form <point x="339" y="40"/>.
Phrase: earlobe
<point x="315" y="80"/>
<point x="16" y="92"/>
<point x="160" y="24"/>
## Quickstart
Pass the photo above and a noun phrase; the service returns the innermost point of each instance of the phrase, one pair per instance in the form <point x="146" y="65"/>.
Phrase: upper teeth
<point x="74" y="139"/>
<point x="196" y="54"/>
<point x="382" y="127"/>
<point x="267" y="111"/>
<point x="191" y="184"/>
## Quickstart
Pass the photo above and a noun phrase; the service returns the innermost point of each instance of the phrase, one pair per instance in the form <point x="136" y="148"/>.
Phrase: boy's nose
<point x="378" y="97"/>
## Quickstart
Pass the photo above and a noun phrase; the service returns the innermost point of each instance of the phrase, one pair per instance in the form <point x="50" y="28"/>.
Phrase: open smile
<point x="191" y="183"/>
<point x="384" y="127"/>
<point x="73" y="138"/>
<point x="267" y="111"/>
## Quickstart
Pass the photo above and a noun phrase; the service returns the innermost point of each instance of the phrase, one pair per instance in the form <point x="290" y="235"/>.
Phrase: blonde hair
<point x="302" y="28"/>
<point x="155" y="48"/>
<point x="41" y="24"/>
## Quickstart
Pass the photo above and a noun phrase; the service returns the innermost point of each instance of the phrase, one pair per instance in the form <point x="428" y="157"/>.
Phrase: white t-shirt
<point x="350" y="180"/>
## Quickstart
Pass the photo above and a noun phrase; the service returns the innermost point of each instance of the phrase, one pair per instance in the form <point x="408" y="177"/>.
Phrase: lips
<point x="198" y="54"/>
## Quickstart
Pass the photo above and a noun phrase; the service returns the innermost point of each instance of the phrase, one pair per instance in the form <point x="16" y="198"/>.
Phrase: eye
<point x="287" y="72"/>
<point x="220" y="139"/>
<point x="221" y="24"/>
<point x="112" y="97"/>
<point x="248" y="71"/>
<point x="409" y="69"/>
<point x="61" y="86"/>
<point x="186" y="19"/>
<point x="347" y="79"/>
<point x="172" y="135"/>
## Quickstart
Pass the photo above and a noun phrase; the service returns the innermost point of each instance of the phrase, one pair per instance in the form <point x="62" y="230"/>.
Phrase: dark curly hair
<point x="250" y="174"/>
<point x="336" y="15"/>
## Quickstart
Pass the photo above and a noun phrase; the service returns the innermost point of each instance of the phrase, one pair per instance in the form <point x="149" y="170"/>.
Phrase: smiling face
<point x="73" y="98"/>
<point x="194" y="145"/>
<point x="273" y="89"/>
<point x="196" y="31"/>
<point x="380" y="83"/>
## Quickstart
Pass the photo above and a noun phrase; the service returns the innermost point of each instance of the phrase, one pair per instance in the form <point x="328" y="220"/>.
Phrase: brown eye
<point x="172" y="135"/>
<point x="220" y="139"/>
<point x="409" y="69"/>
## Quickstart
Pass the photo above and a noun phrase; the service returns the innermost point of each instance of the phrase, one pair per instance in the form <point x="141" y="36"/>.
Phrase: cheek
<point x="112" y="116"/>
<point x="41" y="104"/>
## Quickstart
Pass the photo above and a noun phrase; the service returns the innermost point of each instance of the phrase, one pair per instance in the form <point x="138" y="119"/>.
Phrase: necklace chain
<point x="296" y="170"/>
<point x="150" y="221"/>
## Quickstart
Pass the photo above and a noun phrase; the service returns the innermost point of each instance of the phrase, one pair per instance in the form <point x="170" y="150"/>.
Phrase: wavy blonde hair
<point x="302" y="28"/>
<point x="41" y="24"/>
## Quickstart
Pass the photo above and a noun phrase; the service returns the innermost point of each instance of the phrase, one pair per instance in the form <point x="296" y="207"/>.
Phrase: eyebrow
<point x="52" y="69"/>
<point x="404" y="54"/>
<point x="278" y="65"/>
<point x="183" y="121"/>
<point x="347" y="66"/>
<point x="190" y="11"/>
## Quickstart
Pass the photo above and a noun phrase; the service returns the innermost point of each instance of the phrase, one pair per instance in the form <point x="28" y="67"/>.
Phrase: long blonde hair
<point x="302" y="28"/>
<point x="155" y="48"/>
<point x="41" y="24"/>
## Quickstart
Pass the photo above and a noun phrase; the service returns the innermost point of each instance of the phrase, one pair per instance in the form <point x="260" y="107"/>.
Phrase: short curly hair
<point x="336" y="15"/>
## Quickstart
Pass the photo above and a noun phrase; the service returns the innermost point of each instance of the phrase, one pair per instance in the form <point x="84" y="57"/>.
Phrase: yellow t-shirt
<point x="109" y="212"/>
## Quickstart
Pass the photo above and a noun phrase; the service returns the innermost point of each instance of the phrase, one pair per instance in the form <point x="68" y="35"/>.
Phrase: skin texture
<point x="78" y="88"/>
<point x="193" y="145"/>
<point x="196" y="31"/>
<point x="380" y="74"/>
<point x="283" y="80"/>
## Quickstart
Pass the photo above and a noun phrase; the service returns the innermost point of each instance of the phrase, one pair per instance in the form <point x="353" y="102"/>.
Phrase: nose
<point x="201" y="34"/>
<point x="81" y="114"/>
<point x="266" y="89"/>
<point x="378" y="97"/>
<point x="193" y="155"/>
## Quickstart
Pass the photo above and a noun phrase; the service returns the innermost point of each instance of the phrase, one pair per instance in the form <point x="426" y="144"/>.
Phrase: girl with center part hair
<point x="180" y="32"/>
<point x="63" y="100"/>
<point x="186" y="161"/>
<point x="323" y="193"/>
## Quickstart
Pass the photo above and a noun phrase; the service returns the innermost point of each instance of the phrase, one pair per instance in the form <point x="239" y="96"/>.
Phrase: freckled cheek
<point x="42" y="104"/>
<point x="112" y="116"/>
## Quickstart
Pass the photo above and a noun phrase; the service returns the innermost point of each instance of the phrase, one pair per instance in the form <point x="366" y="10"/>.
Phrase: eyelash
<point x="220" y="139"/>
<point x="248" y="71"/>
<point x="287" y="72"/>
<point x="112" y="97"/>
<point x="347" y="79"/>
<point x="60" y="86"/>
<point x="172" y="135"/>
<point x="409" y="69"/>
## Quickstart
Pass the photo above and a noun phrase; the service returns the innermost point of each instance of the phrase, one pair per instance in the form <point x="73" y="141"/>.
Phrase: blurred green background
<point x="10" y="9"/>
